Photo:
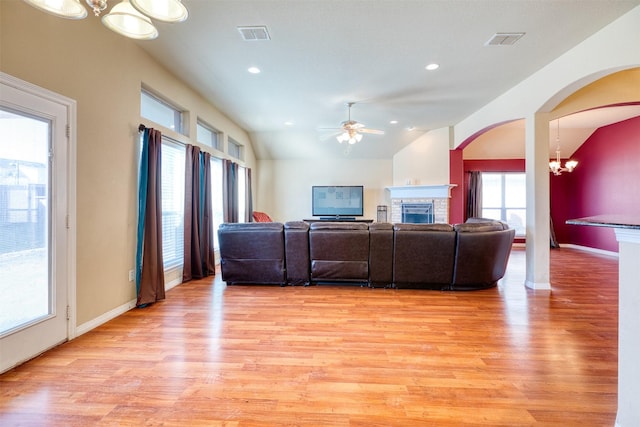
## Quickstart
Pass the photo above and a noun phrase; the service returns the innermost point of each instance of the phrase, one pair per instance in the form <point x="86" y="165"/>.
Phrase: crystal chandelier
<point x="555" y="166"/>
<point x="130" y="18"/>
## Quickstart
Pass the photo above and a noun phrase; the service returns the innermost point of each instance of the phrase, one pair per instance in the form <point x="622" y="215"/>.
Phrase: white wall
<point x="425" y="161"/>
<point x="285" y="185"/>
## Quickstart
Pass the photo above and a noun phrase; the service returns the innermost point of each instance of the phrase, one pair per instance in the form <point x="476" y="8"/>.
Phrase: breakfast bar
<point x="627" y="229"/>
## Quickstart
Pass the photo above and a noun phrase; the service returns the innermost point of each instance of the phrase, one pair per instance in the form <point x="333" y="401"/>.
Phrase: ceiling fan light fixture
<point x="68" y="9"/>
<point x="163" y="10"/>
<point x="124" y="19"/>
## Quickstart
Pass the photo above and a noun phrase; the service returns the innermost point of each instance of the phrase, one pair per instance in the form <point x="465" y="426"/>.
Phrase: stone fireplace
<point x="438" y="196"/>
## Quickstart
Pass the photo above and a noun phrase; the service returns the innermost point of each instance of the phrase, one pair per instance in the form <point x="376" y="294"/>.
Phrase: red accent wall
<point x="606" y="181"/>
<point x="456" y="176"/>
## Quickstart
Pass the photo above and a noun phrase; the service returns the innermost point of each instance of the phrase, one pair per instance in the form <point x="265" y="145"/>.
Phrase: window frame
<point x="178" y="113"/>
<point x="175" y="263"/>
<point x="503" y="208"/>
<point x="240" y="149"/>
<point x="215" y="135"/>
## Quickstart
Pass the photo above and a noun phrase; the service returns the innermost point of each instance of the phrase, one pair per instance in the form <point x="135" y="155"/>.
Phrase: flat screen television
<point x="337" y="201"/>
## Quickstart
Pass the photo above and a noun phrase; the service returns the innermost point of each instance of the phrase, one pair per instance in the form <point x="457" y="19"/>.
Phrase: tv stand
<point x="337" y="218"/>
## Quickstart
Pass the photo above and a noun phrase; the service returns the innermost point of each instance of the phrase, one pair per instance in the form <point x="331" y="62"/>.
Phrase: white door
<point x="34" y="216"/>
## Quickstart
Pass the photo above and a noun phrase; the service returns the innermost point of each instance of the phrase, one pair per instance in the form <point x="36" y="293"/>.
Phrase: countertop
<point x="613" y="220"/>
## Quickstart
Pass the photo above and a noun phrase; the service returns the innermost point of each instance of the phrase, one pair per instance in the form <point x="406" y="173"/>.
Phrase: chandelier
<point x="130" y="18"/>
<point x="555" y="166"/>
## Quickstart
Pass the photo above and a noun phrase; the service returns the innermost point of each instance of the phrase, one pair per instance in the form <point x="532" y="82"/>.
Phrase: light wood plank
<point x="242" y="356"/>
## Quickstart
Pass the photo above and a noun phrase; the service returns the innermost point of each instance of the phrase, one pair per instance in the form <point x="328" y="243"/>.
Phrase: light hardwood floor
<point x="212" y="355"/>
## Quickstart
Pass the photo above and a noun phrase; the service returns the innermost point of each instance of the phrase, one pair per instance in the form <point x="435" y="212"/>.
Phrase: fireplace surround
<point x="437" y="195"/>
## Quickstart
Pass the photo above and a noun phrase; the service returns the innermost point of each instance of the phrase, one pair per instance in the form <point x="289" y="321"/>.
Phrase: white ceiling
<point x="325" y="53"/>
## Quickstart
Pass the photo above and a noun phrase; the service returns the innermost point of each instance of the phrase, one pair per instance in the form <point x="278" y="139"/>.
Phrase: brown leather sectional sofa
<point x="465" y="256"/>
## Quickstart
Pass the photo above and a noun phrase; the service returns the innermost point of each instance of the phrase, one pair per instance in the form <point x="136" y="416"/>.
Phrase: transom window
<point x="160" y="111"/>
<point x="235" y="149"/>
<point x="208" y="135"/>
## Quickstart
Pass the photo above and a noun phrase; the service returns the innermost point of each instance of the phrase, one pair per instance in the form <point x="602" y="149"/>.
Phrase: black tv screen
<point x="337" y="200"/>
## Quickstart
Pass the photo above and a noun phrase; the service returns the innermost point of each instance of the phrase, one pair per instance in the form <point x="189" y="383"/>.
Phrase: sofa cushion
<point x="478" y="227"/>
<point x="331" y="225"/>
<point x="422" y="227"/>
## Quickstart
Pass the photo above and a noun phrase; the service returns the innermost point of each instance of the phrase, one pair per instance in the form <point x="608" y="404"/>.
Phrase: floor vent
<point x="254" y="33"/>
<point x="503" y="39"/>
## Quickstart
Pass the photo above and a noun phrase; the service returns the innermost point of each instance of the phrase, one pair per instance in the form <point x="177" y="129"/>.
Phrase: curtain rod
<point x="142" y="127"/>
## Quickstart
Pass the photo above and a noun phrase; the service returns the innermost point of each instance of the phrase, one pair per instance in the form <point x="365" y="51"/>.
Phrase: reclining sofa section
<point x="467" y="256"/>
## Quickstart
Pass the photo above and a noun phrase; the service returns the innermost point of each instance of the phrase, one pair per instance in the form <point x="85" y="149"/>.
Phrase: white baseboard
<point x="104" y="318"/>
<point x="588" y="249"/>
<point x="112" y="314"/>
<point x="172" y="284"/>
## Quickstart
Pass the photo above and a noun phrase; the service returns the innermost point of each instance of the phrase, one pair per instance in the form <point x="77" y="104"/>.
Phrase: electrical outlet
<point x="132" y="275"/>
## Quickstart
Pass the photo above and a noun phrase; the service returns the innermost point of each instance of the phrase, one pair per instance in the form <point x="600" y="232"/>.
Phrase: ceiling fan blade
<point x="371" y="131"/>
<point x="328" y="136"/>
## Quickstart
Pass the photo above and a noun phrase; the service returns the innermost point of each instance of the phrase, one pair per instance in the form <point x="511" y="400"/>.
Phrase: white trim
<point x="172" y="284"/>
<point x="421" y="191"/>
<point x="538" y="286"/>
<point x="588" y="249"/>
<point x="630" y="235"/>
<point x="104" y="318"/>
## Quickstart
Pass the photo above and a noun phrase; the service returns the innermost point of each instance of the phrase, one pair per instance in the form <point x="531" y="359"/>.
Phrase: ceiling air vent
<point x="254" y="33"/>
<point x="503" y="39"/>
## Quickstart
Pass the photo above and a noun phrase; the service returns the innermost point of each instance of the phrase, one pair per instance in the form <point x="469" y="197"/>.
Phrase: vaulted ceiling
<point x="323" y="54"/>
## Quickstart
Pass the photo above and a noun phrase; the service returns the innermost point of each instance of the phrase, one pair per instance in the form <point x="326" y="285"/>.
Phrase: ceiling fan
<point x="351" y="131"/>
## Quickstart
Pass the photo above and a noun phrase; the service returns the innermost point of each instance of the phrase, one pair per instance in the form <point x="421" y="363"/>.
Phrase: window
<point x="208" y="135"/>
<point x="504" y="197"/>
<point x="173" y="158"/>
<point x="235" y="149"/>
<point x="242" y="193"/>
<point x="159" y="111"/>
<point x="216" y="198"/>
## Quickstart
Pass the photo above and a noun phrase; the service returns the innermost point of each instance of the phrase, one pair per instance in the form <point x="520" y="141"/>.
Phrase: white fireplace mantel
<point x="421" y="191"/>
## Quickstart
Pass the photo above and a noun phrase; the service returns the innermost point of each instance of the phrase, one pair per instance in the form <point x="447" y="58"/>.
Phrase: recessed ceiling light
<point x="411" y="128"/>
<point x="288" y="123"/>
<point x="432" y="67"/>
<point x="394" y="122"/>
<point x="254" y="70"/>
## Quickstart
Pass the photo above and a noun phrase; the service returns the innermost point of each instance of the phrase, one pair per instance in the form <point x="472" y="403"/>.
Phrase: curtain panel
<point x="199" y="258"/>
<point x="149" y="263"/>
<point x="230" y="191"/>
<point x="248" y="213"/>
<point x="474" y="194"/>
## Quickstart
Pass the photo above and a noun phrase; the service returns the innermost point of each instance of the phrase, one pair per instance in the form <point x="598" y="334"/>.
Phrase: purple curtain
<point x="474" y="194"/>
<point x="230" y="191"/>
<point x="199" y="259"/>
<point x="151" y="287"/>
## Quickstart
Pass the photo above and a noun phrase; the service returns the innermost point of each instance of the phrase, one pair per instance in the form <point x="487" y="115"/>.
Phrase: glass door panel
<point x="24" y="220"/>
